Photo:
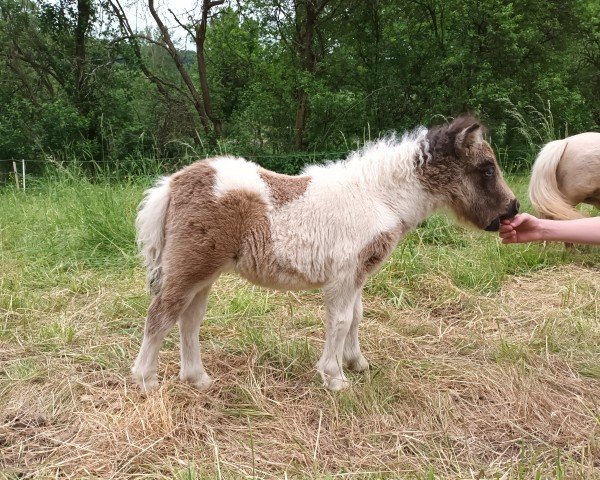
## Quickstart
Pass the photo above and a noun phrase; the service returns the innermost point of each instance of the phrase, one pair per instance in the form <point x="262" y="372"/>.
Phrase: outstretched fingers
<point x="519" y="219"/>
<point x="507" y="232"/>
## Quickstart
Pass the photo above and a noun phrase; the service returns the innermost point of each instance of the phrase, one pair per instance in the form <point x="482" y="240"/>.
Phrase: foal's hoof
<point x="201" y="383"/>
<point x="336" y="384"/>
<point x="146" y="384"/>
<point x="359" y="364"/>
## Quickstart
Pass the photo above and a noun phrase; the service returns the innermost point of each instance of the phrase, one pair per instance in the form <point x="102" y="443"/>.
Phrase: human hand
<point x="521" y="228"/>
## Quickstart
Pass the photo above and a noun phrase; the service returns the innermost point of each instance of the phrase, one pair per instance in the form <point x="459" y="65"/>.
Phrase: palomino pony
<point x="565" y="174"/>
<point x="328" y="228"/>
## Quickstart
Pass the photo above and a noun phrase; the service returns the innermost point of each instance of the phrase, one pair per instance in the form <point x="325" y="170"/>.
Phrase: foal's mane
<point x="389" y="156"/>
<point x="393" y="154"/>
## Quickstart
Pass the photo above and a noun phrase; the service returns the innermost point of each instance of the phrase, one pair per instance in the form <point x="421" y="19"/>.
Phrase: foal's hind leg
<point x="192" y="370"/>
<point x="162" y="315"/>
<point x="353" y="357"/>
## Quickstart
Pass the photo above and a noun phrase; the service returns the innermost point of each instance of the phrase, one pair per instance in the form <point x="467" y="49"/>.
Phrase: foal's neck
<point x="392" y="172"/>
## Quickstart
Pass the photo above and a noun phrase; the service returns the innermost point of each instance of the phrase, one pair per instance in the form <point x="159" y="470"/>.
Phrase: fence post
<point x="23" y="161"/>
<point x="16" y="173"/>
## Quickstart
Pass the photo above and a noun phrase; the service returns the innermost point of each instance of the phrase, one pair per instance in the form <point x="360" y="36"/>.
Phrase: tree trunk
<point x="84" y="9"/>
<point x="200" y="37"/>
<point x="185" y="76"/>
<point x="306" y="22"/>
<point x="301" y="116"/>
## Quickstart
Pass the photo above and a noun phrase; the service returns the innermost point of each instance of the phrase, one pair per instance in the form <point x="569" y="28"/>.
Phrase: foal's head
<point x="463" y="170"/>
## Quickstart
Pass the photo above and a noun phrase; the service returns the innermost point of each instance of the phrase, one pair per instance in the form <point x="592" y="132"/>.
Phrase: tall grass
<point x="70" y="221"/>
<point x="536" y="126"/>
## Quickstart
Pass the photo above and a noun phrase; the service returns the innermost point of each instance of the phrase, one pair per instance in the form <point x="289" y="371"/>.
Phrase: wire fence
<point x="28" y="173"/>
<point x="307" y="155"/>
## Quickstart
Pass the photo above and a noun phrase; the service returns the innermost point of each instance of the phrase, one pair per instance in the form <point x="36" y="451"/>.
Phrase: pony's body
<point x="565" y="174"/>
<point x="328" y="228"/>
<point x="317" y="235"/>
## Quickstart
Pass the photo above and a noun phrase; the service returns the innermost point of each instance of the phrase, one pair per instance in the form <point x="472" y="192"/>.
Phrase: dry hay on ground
<point x="465" y="386"/>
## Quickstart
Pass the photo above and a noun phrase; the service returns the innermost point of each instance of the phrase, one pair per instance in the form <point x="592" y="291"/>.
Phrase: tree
<point x="272" y="76"/>
<point x="197" y="29"/>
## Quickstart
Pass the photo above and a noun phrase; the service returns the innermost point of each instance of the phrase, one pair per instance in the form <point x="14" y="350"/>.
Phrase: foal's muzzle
<point x="513" y="209"/>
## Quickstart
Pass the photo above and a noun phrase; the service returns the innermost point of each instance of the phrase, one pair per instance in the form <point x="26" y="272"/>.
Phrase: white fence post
<point x="23" y="161"/>
<point x="16" y="174"/>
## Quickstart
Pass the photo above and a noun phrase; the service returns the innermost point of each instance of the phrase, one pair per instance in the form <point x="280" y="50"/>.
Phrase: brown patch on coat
<point x="456" y="171"/>
<point x="203" y="235"/>
<point x="284" y="188"/>
<point x="206" y="234"/>
<point x="376" y="251"/>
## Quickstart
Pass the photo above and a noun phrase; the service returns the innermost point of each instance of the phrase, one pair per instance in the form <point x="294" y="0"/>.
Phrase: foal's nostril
<point x="512" y="210"/>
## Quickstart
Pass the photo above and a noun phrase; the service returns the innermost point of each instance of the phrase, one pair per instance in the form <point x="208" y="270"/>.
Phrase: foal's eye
<point x="489" y="172"/>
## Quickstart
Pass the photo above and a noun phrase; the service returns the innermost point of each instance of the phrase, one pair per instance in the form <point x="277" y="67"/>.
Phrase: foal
<point x="329" y="228"/>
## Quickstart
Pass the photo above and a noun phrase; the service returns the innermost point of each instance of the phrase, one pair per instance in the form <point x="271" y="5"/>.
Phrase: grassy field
<point x="485" y="360"/>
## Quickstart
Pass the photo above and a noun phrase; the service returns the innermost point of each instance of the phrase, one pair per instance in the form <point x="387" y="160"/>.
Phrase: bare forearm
<point x="584" y="230"/>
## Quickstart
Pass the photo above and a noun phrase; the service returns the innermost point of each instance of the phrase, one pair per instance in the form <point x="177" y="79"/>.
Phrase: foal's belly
<point x="265" y="268"/>
<point x="280" y="279"/>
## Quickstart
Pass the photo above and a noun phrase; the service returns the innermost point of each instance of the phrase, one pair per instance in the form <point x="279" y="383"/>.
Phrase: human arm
<point x="527" y="228"/>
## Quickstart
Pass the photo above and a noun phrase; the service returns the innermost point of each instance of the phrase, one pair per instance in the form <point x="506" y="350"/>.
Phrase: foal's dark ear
<point x="466" y="138"/>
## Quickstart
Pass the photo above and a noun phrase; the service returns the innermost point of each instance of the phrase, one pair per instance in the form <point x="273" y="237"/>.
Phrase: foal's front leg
<point x="339" y="307"/>
<point x="353" y="357"/>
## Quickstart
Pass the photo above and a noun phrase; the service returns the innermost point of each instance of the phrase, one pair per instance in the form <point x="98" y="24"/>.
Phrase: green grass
<point x="484" y="359"/>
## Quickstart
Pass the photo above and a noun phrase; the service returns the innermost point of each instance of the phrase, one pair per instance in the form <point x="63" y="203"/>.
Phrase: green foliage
<point x="378" y="66"/>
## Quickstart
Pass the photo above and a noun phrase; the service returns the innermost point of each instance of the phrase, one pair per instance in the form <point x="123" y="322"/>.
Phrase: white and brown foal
<point x="330" y="228"/>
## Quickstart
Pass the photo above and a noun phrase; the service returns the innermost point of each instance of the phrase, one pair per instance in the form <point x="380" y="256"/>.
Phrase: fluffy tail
<point x="150" y="226"/>
<point x="545" y="196"/>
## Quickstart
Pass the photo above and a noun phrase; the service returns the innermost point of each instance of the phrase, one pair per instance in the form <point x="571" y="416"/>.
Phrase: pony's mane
<point x="388" y="155"/>
<point x="398" y="157"/>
